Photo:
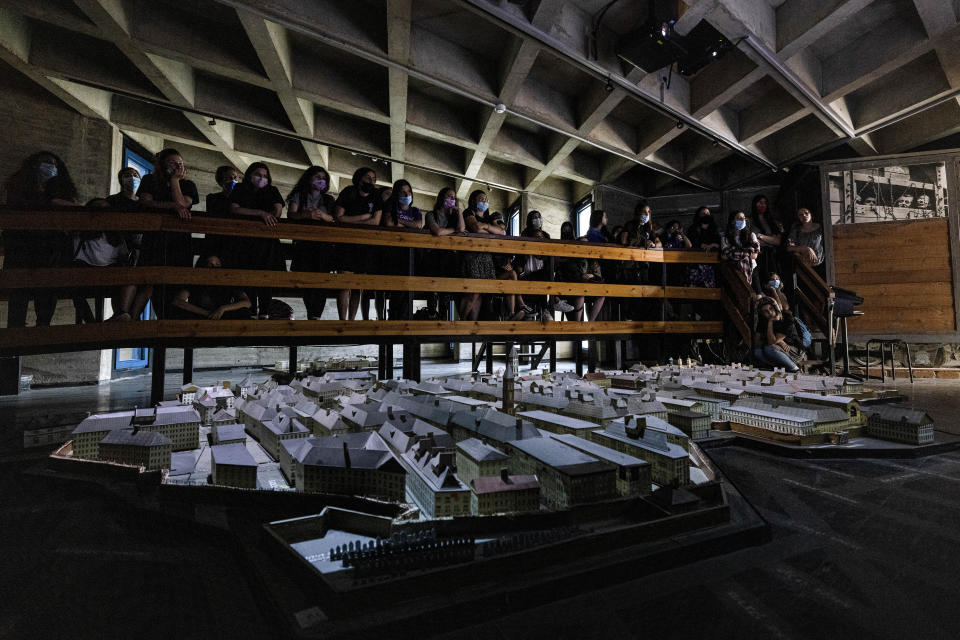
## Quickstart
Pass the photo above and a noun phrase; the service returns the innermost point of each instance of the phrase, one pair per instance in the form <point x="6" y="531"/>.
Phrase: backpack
<point x="806" y="339"/>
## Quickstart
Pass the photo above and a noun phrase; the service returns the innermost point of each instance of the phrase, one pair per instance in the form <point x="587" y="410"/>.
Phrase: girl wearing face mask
<point x="41" y="181"/>
<point x="115" y="248"/>
<point x="770" y="231"/>
<point x="359" y="203"/>
<point x="256" y="197"/>
<point x="311" y="203"/>
<point x="739" y="245"/>
<point x="476" y="264"/>
<point x="443" y="220"/>
<point x="534" y="267"/>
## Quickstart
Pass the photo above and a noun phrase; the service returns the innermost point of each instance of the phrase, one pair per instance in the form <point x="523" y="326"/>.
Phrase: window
<point x="583" y="209"/>
<point x="133" y="159"/>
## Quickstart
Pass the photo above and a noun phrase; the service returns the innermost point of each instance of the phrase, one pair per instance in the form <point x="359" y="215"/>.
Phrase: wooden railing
<point x="230" y="332"/>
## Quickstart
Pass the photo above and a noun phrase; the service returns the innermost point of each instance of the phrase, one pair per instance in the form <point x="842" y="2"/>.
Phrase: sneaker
<point x="314" y="317"/>
<point x="120" y="317"/>
<point x="263" y="317"/>
<point x="527" y="309"/>
<point x="562" y="306"/>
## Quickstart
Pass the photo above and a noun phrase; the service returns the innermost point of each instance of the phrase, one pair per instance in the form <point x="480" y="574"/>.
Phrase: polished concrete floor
<point x="859" y="548"/>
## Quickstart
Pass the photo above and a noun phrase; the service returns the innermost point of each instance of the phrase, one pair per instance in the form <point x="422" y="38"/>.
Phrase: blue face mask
<point x="740" y="225"/>
<point x="131" y="183"/>
<point x="231" y="185"/>
<point x="483" y="206"/>
<point x="47" y="170"/>
<point x="644" y="219"/>
<point x="405" y="200"/>
<point x="774" y="283"/>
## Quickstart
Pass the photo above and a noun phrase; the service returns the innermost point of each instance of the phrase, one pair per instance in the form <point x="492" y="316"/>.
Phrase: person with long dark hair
<point x="477" y="264"/>
<point x="256" y="197"/>
<point x="359" y="203"/>
<point x="769" y="231"/>
<point x="218" y="204"/>
<point x="703" y="235"/>
<point x="443" y="219"/>
<point x="311" y="203"/>
<point x="534" y="267"/>
<point x="740" y="246"/>
<point x="42" y="180"/>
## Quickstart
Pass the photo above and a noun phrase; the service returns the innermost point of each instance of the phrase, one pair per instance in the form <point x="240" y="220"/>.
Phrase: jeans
<point x="774" y="357"/>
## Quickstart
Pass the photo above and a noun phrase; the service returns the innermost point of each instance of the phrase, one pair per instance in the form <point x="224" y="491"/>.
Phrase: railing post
<point x="187" y="365"/>
<point x="578" y="357"/>
<point x="292" y="360"/>
<point x="489" y="367"/>
<point x="159" y="373"/>
<point x="591" y="356"/>
<point x="411" y="360"/>
<point x="388" y="361"/>
<point x="553" y="356"/>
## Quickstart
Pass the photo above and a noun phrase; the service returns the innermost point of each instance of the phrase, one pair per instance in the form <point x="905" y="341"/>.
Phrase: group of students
<point x="759" y="245"/>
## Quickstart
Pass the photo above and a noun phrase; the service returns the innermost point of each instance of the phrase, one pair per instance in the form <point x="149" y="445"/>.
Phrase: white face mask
<point x="536" y="223"/>
<point x="644" y="218"/>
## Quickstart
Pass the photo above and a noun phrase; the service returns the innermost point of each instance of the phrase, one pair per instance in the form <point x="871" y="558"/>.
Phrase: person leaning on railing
<point x="257" y="197"/>
<point x="400" y="212"/>
<point x="168" y="188"/>
<point x="380" y="266"/>
<point x="533" y="268"/>
<point x="115" y="249"/>
<point x="477" y="264"/>
<point x="359" y="203"/>
<point x="704" y="236"/>
<point x="218" y="204"/>
<point x="41" y="181"/>
<point x="310" y="203"/>
<point x="443" y="220"/>
<point x="639" y="233"/>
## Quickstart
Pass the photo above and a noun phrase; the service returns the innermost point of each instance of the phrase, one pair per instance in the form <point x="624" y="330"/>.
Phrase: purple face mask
<point x="450" y="203"/>
<point x="319" y="184"/>
<point x="259" y="181"/>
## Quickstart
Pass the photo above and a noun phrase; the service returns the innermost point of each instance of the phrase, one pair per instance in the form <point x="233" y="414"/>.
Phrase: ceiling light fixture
<point x="609" y="86"/>
<point x="500" y="107"/>
<point x="680" y="124"/>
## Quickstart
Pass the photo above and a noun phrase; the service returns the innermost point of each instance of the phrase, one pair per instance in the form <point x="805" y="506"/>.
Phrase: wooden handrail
<point x="210" y="333"/>
<point x="68" y="278"/>
<point x="96" y="220"/>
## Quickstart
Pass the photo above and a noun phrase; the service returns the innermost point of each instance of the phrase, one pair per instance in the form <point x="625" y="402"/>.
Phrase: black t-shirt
<point x="159" y="189"/>
<point x="355" y="203"/>
<point x="249" y="197"/>
<point x="122" y="203"/>
<point x="218" y="203"/>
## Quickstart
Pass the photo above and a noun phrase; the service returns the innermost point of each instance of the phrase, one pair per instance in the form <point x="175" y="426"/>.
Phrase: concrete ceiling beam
<point x="800" y="23"/>
<point x="594" y="110"/>
<point x="398" y="49"/>
<point x="271" y="43"/>
<point x="514" y="72"/>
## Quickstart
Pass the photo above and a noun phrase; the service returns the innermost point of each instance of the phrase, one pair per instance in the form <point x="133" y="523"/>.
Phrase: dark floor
<point x="860" y="549"/>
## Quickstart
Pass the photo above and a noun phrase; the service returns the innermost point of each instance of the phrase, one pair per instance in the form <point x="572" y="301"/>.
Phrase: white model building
<point x="475" y="459"/>
<point x="634" y="476"/>
<point x="147" y="449"/>
<point x="795" y="422"/>
<point x="231" y="465"/>
<point x="558" y="423"/>
<point x="567" y="476"/>
<point x="669" y="462"/>
<point x="432" y="483"/>
<point x="180" y="424"/>
<point x="279" y="429"/>
<point x="504" y="493"/>
<point x="356" y="464"/>
<point x="899" y="424"/>
<point x="228" y="433"/>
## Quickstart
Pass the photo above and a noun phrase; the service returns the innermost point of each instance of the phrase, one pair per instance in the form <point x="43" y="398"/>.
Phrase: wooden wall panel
<point x="903" y="272"/>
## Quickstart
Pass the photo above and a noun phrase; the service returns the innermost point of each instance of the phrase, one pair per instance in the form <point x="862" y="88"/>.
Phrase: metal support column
<point x="187" y="366"/>
<point x="388" y="361"/>
<point x="553" y="356"/>
<point x="489" y="367"/>
<point x="10" y="376"/>
<point x="411" y="360"/>
<point x="159" y="372"/>
<point x="578" y="357"/>
<point x="592" y="356"/>
<point x="292" y="361"/>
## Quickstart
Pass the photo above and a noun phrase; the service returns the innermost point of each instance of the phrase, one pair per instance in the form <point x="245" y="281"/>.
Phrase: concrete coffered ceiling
<point x="415" y="83"/>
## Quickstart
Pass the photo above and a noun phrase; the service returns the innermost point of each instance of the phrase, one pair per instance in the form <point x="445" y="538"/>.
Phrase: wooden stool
<point x="887" y="342"/>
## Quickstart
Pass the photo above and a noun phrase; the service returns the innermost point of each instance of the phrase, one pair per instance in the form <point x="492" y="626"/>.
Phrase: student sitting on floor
<point x="211" y="301"/>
